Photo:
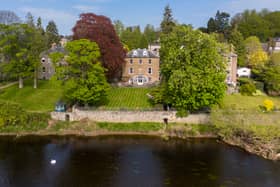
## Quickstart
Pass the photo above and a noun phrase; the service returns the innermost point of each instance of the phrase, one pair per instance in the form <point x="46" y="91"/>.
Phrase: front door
<point x="140" y="80"/>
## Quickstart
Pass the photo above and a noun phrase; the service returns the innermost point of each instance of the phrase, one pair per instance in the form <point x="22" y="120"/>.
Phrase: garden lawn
<point x="239" y="102"/>
<point x="128" y="98"/>
<point x="42" y="99"/>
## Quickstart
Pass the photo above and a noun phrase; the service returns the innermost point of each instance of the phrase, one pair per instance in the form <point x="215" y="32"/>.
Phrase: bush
<point x="12" y="114"/>
<point x="247" y="89"/>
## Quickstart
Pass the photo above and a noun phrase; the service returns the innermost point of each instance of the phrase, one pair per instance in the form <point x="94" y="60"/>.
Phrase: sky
<point x="65" y="13"/>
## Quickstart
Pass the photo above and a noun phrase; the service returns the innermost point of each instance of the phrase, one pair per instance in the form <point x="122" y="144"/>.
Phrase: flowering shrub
<point x="268" y="105"/>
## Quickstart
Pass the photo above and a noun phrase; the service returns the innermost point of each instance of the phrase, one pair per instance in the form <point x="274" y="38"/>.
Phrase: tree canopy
<point x="85" y="78"/>
<point x="193" y="71"/>
<point x="168" y="22"/>
<point x="255" y="54"/>
<point x="100" y="29"/>
<point x="52" y="33"/>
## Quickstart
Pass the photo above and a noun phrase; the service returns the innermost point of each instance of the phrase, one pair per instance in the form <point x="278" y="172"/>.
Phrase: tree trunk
<point x="20" y="82"/>
<point x="35" y="79"/>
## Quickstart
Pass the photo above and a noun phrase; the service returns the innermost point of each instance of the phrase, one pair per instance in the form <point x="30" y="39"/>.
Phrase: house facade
<point x="46" y="69"/>
<point x="141" y="68"/>
<point x="231" y="69"/>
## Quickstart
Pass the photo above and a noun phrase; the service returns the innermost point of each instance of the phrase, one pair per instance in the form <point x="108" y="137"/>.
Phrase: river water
<point x="130" y="161"/>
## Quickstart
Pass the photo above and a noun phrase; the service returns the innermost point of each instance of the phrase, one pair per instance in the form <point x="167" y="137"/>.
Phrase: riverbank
<point x="240" y="121"/>
<point x="244" y="138"/>
<point x="91" y="129"/>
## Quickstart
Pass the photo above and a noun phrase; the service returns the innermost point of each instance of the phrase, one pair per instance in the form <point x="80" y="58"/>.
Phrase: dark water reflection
<point x="130" y="162"/>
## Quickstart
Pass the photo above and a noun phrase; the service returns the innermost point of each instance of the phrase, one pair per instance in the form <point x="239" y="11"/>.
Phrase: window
<point x="150" y="61"/>
<point x="43" y="60"/>
<point x="140" y="61"/>
<point x="44" y="69"/>
<point x="135" y="53"/>
<point x="150" y="70"/>
<point x="130" y="70"/>
<point x="131" y="61"/>
<point x="145" y="53"/>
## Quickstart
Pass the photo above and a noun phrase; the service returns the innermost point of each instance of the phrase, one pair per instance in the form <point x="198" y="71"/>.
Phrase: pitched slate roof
<point x="141" y="53"/>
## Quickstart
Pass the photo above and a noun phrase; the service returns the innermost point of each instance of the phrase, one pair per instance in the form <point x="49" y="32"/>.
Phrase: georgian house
<point x="141" y="68"/>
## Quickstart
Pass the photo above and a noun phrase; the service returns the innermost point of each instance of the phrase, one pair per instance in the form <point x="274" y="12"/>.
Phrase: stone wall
<point x="129" y="116"/>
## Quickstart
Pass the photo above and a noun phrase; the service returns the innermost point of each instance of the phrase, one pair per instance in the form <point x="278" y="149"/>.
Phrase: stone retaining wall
<point x="129" y="116"/>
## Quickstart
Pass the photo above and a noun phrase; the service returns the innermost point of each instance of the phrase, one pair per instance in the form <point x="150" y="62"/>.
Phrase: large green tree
<point x="256" y="57"/>
<point x="237" y="40"/>
<point x="271" y="75"/>
<point x="168" y="21"/>
<point x="15" y="45"/>
<point x="150" y="33"/>
<point x="192" y="69"/>
<point x="251" y="23"/>
<point x="86" y="82"/>
<point x="52" y="33"/>
<point x="133" y="38"/>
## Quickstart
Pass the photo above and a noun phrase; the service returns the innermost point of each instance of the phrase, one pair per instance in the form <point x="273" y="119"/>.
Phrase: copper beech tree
<point x="100" y="29"/>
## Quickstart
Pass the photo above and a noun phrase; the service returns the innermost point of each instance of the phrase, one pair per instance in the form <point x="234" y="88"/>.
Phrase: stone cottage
<point x="46" y="69"/>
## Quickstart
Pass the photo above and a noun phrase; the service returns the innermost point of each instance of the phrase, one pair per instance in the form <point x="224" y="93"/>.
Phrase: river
<point x="130" y="161"/>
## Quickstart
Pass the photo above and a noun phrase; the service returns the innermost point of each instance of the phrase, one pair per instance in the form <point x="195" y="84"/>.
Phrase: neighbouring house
<point x="154" y="47"/>
<point x="244" y="72"/>
<point x="231" y="69"/>
<point x="46" y="69"/>
<point x="273" y="46"/>
<point x="141" y="68"/>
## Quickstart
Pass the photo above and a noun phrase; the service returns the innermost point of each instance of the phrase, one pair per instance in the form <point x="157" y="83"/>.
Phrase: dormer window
<point x="135" y="53"/>
<point x="145" y="53"/>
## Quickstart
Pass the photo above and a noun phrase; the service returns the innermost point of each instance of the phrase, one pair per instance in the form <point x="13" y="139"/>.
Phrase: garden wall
<point x="129" y="116"/>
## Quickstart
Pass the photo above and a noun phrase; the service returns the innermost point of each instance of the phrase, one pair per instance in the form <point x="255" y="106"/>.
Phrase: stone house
<point x="141" y="68"/>
<point x="46" y="69"/>
<point x="231" y="69"/>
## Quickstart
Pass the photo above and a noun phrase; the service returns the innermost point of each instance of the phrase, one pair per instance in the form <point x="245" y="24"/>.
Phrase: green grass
<point x="128" y="98"/>
<point x="134" y="127"/>
<point x="239" y="102"/>
<point x="242" y="115"/>
<point x="42" y="99"/>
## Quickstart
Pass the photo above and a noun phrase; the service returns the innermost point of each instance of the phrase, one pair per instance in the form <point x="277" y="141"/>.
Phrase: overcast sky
<point x="131" y="12"/>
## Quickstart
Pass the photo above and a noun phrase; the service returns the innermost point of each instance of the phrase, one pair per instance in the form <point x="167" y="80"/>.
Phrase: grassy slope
<point x="42" y="99"/>
<point x="48" y="93"/>
<point x="243" y="112"/>
<point x="252" y="103"/>
<point x="128" y="98"/>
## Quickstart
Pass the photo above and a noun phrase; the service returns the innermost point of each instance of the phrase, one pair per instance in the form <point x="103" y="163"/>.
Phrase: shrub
<point x="268" y="105"/>
<point x="12" y="114"/>
<point x="247" y="89"/>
